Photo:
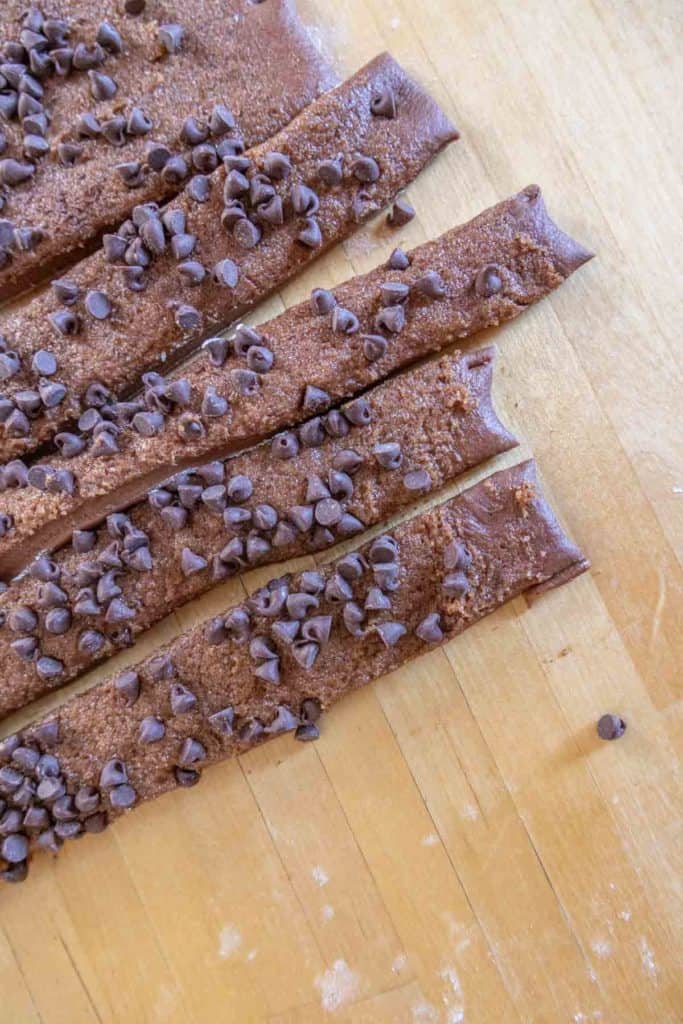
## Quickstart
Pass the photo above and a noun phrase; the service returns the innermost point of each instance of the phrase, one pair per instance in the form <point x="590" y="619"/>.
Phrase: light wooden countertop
<point x="458" y="846"/>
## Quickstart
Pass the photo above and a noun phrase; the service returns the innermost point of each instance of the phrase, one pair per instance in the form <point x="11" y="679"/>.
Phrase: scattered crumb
<point x="430" y="840"/>
<point x="320" y="875"/>
<point x="230" y="940"/>
<point x="394" y="23"/>
<point x="470" y="812"/>
<point x="166" y="1004"/>
<point x="648" y="958"/>
<point x="327" y="912"/>
<point x="251" y="955"/>
<point x="592" y="975"/>
<point x="624" y="915"/>
<point x="399" y="963"/>
<point x="602" y="948"/>
<point x="337" y="986"/>
<point x="612" y="886"/>
<point x="677" y="490"/>
<point x="452" y="997"/>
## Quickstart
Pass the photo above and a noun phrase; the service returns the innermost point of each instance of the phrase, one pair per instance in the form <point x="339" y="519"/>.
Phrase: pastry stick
<point x="126" y="108"/>
<point x="315" y="354"/>
<point x="171" y="276"/>
<point x="278" y="661"/>
<point x="344" y="472"/>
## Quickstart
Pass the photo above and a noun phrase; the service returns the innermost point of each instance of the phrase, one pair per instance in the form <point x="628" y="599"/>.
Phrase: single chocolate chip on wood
<point x="611" y="727"/>
<point x="400" y="214"/>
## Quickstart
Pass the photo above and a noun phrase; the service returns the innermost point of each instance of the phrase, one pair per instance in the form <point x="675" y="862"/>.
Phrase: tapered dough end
<point x="569" y="254"/>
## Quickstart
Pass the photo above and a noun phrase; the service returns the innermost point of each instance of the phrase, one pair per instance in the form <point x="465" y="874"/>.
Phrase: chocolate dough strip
<point x="404" y="438"/>
<point x="63" y="179"/>
<point x="472" y="277"/>
<point x="277" y="661"/>
<point x="209" y="261"/>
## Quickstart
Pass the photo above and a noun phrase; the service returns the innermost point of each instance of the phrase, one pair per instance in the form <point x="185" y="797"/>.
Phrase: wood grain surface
<point x="458" y="846"/>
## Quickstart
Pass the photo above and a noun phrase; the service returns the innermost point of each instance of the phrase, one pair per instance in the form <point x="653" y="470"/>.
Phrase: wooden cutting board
<point x="458" y="846"/>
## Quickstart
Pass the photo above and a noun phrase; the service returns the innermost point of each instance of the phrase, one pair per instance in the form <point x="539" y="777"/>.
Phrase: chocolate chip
<point x="87" y="799"/>
<point x="262" y="648"/>
<point x="365" y="169"/>
<point x="226" y="273"/>
<point x="383" y="550"/>
<point x="316" y="489"/>
<point x="383" y="103"/>
<point x="174" y="517"/>
<point x="114" y="131"/>
<point x="138" y="123"/>
<point x="240" y="488"/>
<point x="488" y="281"/>
<point x="392" y="293"/>
<point x="49" y="668"/>
<point x="217" y="350"/>
<point x="188" y="318"/>
<point x="171" y="37"/>
<point x="317" y="629"/>
<point x="455" y="585"/>
<point x="388" y="455"/>
<point x="272" y="211"/>
<point x="391" y="318"/>
<point x="65" y="322"/>
<point x="330" y="172"/>
<point x="152" y="730"/>
<point x="13" y="172"/>
<point x="376" y="600"/>
<point x="157" y="156"/>
<point x="429" y="629"/>
<point x="118" y="611"/>
<point x="221" y="120"/>
<point x="304" y="200"/>
<point x="260" y="190"/>
<point x="431" y="285"/>
<point x="299" y="605"/>
<point x="264" y="517"/>
<point x="44" y="363"/>
<point x="58" y="621"/>
<point x="102" y="87"/>
<point x="199" y="188"/>
<point x="310" y="235"/>
<point x="237" y="624"/>
<point x="175" y="170"/>
<point x="131" y="173"/>
<point x="114" y="247"/>
<point x="456" y="556"/>
<point x="417" y="480"/>
<point x="400" y="214"/>
<point x="328" y="512"/>
<point x="191" y="562"/>
<point x="314" y="399"/>
<point x="344" y="321"/>
<point x="14" y="848"/>
<point x="284" y="535"/>
<point x="109" y="37"/>
<point x="337" y="589"/>
<point x="186" y="777"/>
<point x="234" y="517"/>
<point x="374" y="347"/>
<point x="98" y="305"/>
<point x="611" y="727"/>
<point x="246" y="233"/>
<point x="22" y="619"/>
<point x="122" y="797"/>
<point x="285" y="446"/>
<point x="286" y="630"/>
<point x="35" y="147"/>
<point x="182" y="700"/>
<point x="192" y="752"/>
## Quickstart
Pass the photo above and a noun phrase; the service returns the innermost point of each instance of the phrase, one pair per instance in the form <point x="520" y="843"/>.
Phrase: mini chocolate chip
<point x="429" y="629"/>
<point x="488" y="281"/>
<point x="365" y="169"/>
<point x="314" y="399"/>
<point x="358" y="412"/>
<point x="264" y="517"/>
<point x="118" y="611"/>
<point x="13" y="172"/>
<point x="383" y="550"/>
<point x="285" y="630"/>
<point x="66" y="322"/>
<point x="376" y="600"/>
<point x="14" y="848"/>
<point x="374" y="346"/>
<point x="351" y="566"/>
<point x="299" y="605"/>
<point x="49" y="668"/>
<point x="192" y="752"/>
<point x="162" y="667"/>
<point x="226" y="273"/>
<point x="87" y="56"/>
<point x="337" y="589"/>
<point x="391" y="318"/>
<point x="310" y="235"/>
<point x="328" y="512"/>
<point x="191" y="562"/>
<point x="322" y="301"/>
<point x="114" y="247"/>
<point x="285" y="446"/>
<point x="240" y="488"/>
<point x="389" y="632"/>
<point x="199" y="188"/>
<point x="182" y="700"/>
<point x="114" y="131"/>
<point x="330" y="172"/>
<point x="131" y="173"/>
<point x="277" y="165"/>
<point x="109" y="37"/>
<point x="388" y="455"/>
<point x="344" y="321"/>
<point x="383" y="103"/>
<point x="401" y="213"/>
<point x="98" y="305"/>
<point x="417" y="480"/>
<point x="456" y="556"/>
<point x="35" y="147"/>
<point x="246" y="233"/>
<point x="188" y="318"/>
<point x="392" y="293"/>
<point x="611" y="727"/>
<point x="301" y="516"/>
<point x="316" y="489"/>
<point x="272" y="211"/>
<point x="102" y="87"/>
<point x="58" y="621"/>
<point x="317" y="628"/>
<point x="152" y="730"/>
<point x="192" y="272"/>
<point x="171" y="37"/>
<point x="122" y="797"/>
<point x="221" y="120"/>
<point x="312" y="433"/>
<point x="455" y="584"/>
<point x="431" y="285"/>
<point x="44" y="363"/>
<point x="175" y="170"/>
<point x="22" y="619"/>
<point x="88" y="126"/>
<point x="304" y="200"/>
<point x="174" y="517"/>
<point x="157" y="156"/>
<point x="284" y="535"/>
